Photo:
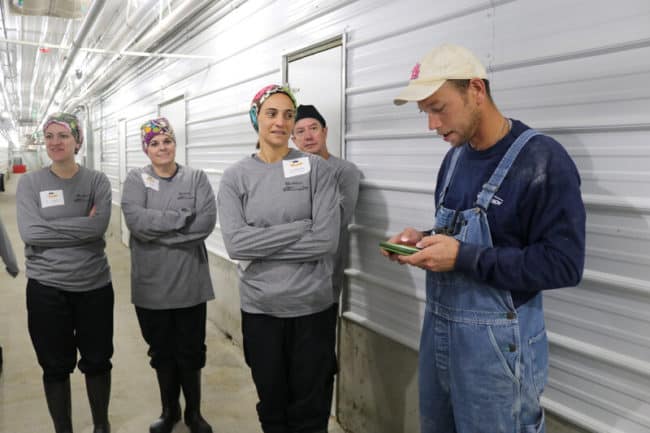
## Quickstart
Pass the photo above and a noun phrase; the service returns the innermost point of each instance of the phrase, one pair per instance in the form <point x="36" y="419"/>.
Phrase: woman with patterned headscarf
<point x="63" y="213"/>
<point x="170" y="209"/>
<point x="279" y="216"/>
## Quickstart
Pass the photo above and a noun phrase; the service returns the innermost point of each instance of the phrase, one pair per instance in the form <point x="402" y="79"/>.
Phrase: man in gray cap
<point x="509" y="224"/>
<point x="310" y="135"/>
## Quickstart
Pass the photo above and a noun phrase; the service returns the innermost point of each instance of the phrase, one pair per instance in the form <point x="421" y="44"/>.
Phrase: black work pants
<point x="175" y="336"/>
<point x="293" y="363"/>
<point x="61" y="322"/>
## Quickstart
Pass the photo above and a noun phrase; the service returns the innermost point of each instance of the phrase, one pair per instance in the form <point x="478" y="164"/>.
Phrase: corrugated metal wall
<point x="577" y="70"/>
<point x="110" y="155"/>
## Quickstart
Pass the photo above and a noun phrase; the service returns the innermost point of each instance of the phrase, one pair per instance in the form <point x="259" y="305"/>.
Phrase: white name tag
<point x="52" y="198"/>
<point x="150" y="182"/>
<point x="296" y="167"/>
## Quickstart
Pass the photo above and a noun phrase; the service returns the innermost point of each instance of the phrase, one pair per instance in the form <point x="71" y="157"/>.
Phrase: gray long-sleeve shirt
<point x="64" y="246"/>
<point x="283" y="217"/>
<point x="7" y="252"/>
<point x="169" y="219"/>
<point x="347" y="177"/>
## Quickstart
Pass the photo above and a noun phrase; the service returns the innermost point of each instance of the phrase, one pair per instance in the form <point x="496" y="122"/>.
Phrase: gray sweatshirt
<point x="284" y="218"/>
<point x="169" y="219"/>
<point x="347" y="177"/>
<point x="64" y="247"/>
<point x="7" y="252"/>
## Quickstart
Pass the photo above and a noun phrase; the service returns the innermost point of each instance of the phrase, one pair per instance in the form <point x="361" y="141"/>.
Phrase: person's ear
<point x="478" y="90"/>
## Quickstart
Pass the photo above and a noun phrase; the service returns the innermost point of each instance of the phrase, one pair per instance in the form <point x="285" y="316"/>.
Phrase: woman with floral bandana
<point x="279" y="216"/>
<point x="170" y="209"/>
<point x="63" y="213"/>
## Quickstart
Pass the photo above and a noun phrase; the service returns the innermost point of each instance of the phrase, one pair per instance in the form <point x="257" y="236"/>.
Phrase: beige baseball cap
<point x="445" y="62"/>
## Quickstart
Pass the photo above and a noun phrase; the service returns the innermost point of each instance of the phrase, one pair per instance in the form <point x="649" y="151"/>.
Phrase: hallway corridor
<point x="228" y="393"/>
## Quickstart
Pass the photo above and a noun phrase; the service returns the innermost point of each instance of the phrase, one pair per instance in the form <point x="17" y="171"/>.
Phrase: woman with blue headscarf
<point x="279" y="216"/>
<point x="170" y="210"/>
<point x="63" y="213"/>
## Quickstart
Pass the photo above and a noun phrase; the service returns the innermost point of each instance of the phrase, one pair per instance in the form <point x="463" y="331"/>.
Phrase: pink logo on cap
<point x="415" y="72"/>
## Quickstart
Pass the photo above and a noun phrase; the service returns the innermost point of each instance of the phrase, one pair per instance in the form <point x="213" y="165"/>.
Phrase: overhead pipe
<point x="205" y="22"/>
<point x="131" y="24"/>
<point x="107" y="51"/>
<point x="188" y="8"/>
<point x="92" y="15"/>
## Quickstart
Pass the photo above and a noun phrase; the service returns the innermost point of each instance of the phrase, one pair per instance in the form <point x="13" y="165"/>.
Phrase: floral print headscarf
<point x="154" y="127"/>
<point x="70" y="122"/>
<point x="262" y="96"/>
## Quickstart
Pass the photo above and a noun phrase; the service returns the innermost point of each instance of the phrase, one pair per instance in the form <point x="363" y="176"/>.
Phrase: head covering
<point x="263" y="95"/>
<point x="153" y="127"/>
<point x="310" y="112"/>
<point x="445" y="62"/>
<point x="70" y="122"/>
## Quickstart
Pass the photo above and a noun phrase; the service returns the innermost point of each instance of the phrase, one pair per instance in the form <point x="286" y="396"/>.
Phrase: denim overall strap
<point x="490" y="188"/>
<point x="450" y="173"/>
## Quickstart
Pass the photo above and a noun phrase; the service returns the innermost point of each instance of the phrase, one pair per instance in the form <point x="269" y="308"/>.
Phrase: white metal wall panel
<point x="110" y="155"/>
<point x="574" y="69"/>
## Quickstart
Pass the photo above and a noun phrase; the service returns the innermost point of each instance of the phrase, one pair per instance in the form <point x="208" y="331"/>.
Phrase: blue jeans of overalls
<point x="483" y="364"/>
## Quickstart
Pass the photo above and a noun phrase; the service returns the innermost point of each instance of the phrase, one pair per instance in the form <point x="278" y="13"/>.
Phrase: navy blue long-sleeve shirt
<point x="537" y="217"/>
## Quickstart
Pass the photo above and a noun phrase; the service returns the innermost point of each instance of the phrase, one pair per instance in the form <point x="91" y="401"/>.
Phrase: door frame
<point x="315" y="48"/>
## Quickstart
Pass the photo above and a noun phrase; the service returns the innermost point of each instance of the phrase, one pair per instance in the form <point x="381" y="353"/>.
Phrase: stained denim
<point x="483" y="364"/>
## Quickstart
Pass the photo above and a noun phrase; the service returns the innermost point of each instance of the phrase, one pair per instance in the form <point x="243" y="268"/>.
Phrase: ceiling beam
<point x="101" y="51"/>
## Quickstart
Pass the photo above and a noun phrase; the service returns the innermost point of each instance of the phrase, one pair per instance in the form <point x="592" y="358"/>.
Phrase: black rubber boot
<point x="99" y="394"/>
<point x="59" y="403"/>
<point x="191" y="383"/>
<point x="170" y="391"/>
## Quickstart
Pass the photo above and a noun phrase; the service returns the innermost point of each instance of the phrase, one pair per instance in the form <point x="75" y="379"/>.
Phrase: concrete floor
<point x="229" y="395"/>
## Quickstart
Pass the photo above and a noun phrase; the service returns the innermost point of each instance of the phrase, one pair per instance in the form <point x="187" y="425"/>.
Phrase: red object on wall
<point x="19" y="168"/>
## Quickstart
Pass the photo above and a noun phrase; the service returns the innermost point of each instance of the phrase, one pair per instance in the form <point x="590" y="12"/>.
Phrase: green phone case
<point x="403" y="250"/>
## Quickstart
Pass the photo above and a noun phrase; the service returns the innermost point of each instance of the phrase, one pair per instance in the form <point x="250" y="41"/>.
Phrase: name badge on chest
<point x="296" y="167"/>
<point x="52" y="198"/>
<point x="150" y="182"/>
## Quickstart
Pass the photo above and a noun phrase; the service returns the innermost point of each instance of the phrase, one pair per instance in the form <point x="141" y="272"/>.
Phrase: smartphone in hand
<point x="402" y="250"/>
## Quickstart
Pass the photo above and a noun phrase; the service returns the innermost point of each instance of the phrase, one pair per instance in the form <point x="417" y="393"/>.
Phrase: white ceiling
<point x="47" y="61"/>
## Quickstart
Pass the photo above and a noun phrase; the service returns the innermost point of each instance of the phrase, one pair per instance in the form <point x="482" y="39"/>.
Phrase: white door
<point x="174" y="111"/>
<point x="316" y="76"/>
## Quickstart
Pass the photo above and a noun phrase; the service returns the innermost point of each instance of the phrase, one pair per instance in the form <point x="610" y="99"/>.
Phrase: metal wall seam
<point x="485" y="6"/>
<point x="612" y="358"/>
<point x="392" y="286"/>
<point x="612" y="407"/>
<point x="577" y="418"/>
<point x="380" y="329"/>
<point x="602" y="201"/>
<point x="550" y="130"/>
<point x="569" y="366"/>
<point x="220" y="117"/>
<point x="631" y="285"/>
<point x="239" y="82"/>
<point x="573" y="55"/>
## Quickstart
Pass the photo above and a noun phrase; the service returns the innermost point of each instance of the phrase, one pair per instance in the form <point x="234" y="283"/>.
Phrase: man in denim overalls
<point x="509" y="223"/>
